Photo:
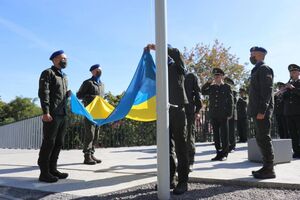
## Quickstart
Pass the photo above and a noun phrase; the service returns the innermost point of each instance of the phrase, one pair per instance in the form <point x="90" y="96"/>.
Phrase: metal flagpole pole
<point x="162" y="101"/>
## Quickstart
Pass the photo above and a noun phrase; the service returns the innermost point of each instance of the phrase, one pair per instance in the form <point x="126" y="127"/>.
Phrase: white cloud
<point x="25" y="33"/>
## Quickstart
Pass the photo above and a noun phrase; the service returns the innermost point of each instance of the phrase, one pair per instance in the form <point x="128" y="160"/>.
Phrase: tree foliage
<point x="203" y="58"/>
<point x="18" y="109"/>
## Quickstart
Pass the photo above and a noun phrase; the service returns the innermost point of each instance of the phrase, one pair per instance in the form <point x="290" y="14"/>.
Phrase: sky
<point x="113" y="33"/>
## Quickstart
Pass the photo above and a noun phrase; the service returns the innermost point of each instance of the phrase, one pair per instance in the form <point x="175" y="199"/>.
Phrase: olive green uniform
<point x="89" y="89"/>
<point x="53" y="97"/>
<point x="177" y="120"/>
<point x="192" y="90"/>
<point x="261" y="101"/>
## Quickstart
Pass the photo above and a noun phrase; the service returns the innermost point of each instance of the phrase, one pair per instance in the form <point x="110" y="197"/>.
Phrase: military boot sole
<point x="264" y="176"/>
<point x="60" y="175"/>
<point x="180" y="190"/>
<point x="51" y="179"/>
<point x="89" y="163"/>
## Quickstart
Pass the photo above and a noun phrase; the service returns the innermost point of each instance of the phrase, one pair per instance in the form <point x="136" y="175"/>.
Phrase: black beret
<point x="260" y="49"/>
<point x="56" y="53"/>
<point x="94" y="67"/>
<point x="217" y="71"/>
<point x="229" y="80"/>
<point x="294" y="67"/>
<point x="242" y="90"/>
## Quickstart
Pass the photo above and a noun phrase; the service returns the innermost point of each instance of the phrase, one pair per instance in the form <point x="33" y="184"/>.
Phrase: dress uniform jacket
<point x="53" y="91"/>
<point x="220" y="100"/>
<point x="261" y="90"/>
<point x="89" y="90"/>
<point x="292" y="100"/>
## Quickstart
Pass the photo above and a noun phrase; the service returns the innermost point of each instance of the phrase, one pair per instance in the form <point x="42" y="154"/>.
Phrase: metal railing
<point x="27" y="134"/>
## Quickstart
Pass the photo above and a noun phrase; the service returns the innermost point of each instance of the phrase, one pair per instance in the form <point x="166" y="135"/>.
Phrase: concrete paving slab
<point x="127" y="167"/>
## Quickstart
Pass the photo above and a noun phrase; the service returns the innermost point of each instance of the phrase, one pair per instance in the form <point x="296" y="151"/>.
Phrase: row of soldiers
<point x="185" y="103"/>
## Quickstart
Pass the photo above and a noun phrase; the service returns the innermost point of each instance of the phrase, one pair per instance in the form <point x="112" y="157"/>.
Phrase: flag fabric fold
<point x="138" y="102"/>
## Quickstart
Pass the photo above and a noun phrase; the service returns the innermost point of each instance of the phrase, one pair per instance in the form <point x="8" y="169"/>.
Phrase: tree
<point x="2" y="111"/>
<point x="18" y="109"/>
<point x="203" y="58"/>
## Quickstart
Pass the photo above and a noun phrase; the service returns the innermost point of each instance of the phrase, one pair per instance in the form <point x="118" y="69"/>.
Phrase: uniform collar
<point x="260" y="63"/>
<point x="58" y="71"/>
<point x="96" y="80"/>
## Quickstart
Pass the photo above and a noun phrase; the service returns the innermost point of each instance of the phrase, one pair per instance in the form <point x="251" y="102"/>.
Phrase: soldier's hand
<point x="260" y="116"/>
<point x="47" y="118"/>
<point x="150" y="47"/>
<point x="290" y="86"/>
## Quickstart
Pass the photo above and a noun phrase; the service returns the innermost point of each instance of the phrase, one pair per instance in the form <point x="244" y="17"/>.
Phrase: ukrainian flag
<point x="138" y="102"/>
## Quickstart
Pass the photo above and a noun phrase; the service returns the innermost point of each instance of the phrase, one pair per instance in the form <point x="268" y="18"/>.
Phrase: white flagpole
<point x="162" y="101"/>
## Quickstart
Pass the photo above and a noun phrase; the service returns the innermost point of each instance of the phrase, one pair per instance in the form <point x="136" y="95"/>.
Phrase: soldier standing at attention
<point x="260" y="108"/>
<point x="231" y="121"/>
<point x="220" y="110"/>
<point x="177" y="121"/>
<point x="279" y="111"/>
<point x="53" y="96"/>
<point x="192" y="89"/>
<point x="89" y="89"/>
<point x="292" y="107"/>
<point x="242" y="121"/>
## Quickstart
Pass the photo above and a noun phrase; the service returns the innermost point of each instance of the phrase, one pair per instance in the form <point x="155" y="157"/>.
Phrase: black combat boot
<point x="180" y="188"/>
<point x="88" y="159"/>
<point x="55" y="172"/>
<point x="45" y="176"/>
<point x="223" y="156"/>
<point x="95" y="159"/>
<point x="217" y="157"/>
<point x="264" y="173"/>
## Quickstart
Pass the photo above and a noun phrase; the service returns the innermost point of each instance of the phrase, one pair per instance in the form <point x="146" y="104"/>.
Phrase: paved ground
<point x="124" y="168"/>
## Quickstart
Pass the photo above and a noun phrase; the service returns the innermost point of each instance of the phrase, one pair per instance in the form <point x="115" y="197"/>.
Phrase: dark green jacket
<point x="220" y="100"/>
<point x="192" y="89"/>
<point x="176" y="73"/>
<point x="89" y="89"/>
<point x="53" y="87"/>
<point x="261" y="91"/>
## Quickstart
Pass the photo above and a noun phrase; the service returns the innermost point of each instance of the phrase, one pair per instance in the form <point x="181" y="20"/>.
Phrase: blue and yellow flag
<point x="138" y="102"/>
